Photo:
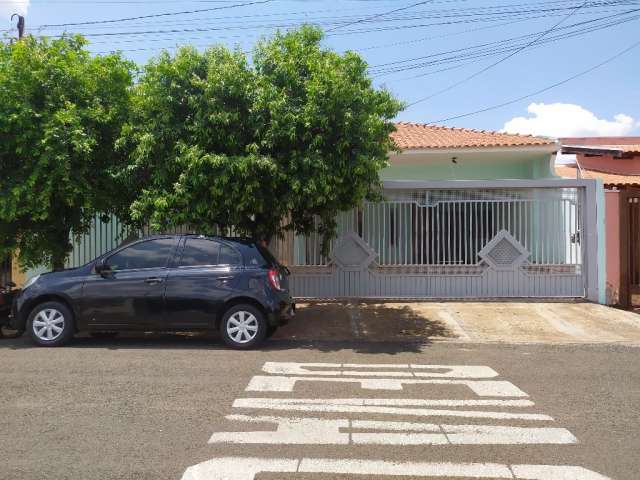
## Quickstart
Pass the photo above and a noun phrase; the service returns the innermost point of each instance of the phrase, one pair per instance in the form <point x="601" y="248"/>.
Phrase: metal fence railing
<point x="451" y="227"/>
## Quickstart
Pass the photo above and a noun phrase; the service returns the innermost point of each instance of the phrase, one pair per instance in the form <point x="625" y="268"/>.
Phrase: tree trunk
<point x="61" y="249"/>
<point x="58" y="263"/>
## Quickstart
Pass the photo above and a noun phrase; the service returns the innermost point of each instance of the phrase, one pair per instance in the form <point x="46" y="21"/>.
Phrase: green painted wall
<point x="469" y="166"/>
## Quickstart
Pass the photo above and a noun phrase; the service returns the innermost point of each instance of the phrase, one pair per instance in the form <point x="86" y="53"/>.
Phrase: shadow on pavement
<point x="326" y="327"/>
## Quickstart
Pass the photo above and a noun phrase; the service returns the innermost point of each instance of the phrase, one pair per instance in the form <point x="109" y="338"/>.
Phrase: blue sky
<point x="605" y="101"/>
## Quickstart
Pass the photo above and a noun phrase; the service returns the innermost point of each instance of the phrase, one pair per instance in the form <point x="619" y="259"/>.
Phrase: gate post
<point x="595" y="253"/>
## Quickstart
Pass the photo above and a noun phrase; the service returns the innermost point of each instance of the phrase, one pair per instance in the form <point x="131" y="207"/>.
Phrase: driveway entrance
<point x="473" y="322"/>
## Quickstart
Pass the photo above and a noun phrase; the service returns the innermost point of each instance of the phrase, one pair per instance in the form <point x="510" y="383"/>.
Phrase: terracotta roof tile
<point x="569" y="171"/>
<point x="418" y="136"/>
<point x="626" y="148"/>
<point x="600" y="141"/>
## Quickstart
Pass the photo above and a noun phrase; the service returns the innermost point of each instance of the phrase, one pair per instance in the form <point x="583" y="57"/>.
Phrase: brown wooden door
<point x="630" y="248"/>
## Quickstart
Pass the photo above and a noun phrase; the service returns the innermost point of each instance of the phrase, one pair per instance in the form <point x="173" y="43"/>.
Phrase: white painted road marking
<point x="282" y="404"/>
<point x="378" y="370"/>
<point x="317" y="431"/>
<point x="243" y="468"/>
<point x="396" y="402"/>
<point x="482" y="388"/>
<point x="283" y="377"/>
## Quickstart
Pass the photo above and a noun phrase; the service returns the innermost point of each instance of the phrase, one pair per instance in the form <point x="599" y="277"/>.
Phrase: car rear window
<point x="259" y="256"/>
<point x="199" y="252"/>
<point x="203" y="252"/>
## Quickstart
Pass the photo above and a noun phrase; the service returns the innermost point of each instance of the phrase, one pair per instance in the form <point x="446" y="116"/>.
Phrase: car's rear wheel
<point x="50" y="324"/>
<point x="243" y="327"/>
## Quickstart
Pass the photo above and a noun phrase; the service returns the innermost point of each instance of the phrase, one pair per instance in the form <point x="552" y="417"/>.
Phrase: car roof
<point x="242" y="240"/>
<point x="237" y="241"/>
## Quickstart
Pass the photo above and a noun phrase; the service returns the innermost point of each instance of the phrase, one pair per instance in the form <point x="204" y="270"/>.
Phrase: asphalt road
<point x="146" y="408"/>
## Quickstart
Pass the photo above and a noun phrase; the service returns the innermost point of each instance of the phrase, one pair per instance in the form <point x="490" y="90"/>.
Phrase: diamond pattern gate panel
<point x="450" y="243"/>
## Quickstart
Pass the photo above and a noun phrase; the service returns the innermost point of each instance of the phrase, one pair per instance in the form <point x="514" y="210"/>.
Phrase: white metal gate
<point x="489" y="240"/>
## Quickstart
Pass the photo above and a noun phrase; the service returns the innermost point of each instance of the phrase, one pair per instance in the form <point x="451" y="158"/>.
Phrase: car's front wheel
<point x="243" y="327"/>
<point x="50" y="324"/>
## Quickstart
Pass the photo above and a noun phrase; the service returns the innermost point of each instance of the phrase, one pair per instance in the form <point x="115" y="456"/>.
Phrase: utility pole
<point x="20" y="25"/>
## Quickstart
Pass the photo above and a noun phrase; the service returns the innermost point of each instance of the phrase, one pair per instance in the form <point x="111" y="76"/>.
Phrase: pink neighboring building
<point x="615" y="161"/>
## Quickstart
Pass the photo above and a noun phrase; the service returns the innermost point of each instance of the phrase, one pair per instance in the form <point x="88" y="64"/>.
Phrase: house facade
<point x="615" y="161"/>
<point x="465" y="214"/>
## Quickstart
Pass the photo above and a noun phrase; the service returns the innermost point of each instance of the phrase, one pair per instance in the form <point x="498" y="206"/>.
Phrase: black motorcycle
<point x="7" y="294"/>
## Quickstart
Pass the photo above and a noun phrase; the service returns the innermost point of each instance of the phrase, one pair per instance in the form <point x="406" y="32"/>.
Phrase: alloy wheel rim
<point x="48" y="324"/>
<point x="242" y="327"/>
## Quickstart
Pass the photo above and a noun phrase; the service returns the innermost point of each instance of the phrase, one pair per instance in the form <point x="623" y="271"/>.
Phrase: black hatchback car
<point x="163" y="283"/>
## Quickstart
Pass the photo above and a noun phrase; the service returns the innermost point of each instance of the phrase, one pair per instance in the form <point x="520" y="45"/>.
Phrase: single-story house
<point x="466" y="214"/>
<point x="615" y="161"/>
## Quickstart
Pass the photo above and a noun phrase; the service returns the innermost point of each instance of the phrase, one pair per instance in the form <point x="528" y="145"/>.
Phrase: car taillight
<point x="274" y="279"/>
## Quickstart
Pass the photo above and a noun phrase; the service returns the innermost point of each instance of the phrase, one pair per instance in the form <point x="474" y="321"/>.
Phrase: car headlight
<point x="31" y="282"/>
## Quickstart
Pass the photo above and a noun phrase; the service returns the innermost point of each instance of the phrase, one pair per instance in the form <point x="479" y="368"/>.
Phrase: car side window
<point x="199" y="252"/>
<point x="150" y="254"/>
<point x="229" y="256"/>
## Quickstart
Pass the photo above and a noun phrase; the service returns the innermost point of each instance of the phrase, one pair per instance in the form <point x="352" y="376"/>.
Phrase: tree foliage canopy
<point x="61" y="111"/>
<point x="264" y="145"/>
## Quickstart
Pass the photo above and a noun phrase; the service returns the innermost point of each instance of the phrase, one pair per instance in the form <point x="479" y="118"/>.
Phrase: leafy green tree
<point x="264" y="145"/>
<point x="61" y="111"/>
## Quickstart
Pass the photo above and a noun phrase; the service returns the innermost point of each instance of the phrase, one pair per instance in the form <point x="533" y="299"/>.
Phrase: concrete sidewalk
<point x="477" y="322"/>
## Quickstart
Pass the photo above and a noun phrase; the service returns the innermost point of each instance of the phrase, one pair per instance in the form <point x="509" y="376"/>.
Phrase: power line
<point x="290" y="25"/>
<point x="366" y="19"/>
<point x="519" y="37"/>
<point x="537" y="92"/>
<point x="495" y="16"/>
<point x="509" y="9"/>
<point x="504" y="59"/>
<point x="501" y="46"/>
<point x="156" y="15"/>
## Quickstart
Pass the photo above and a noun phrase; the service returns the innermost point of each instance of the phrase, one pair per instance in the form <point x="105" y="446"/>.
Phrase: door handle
<point x="153" y="280"/>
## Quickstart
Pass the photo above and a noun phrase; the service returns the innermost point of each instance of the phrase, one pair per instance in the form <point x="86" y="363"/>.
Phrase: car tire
<point x="51" y="324"/>
<point x="243" y="327"/>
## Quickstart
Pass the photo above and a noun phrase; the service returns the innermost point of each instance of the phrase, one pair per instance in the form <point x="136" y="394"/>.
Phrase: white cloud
<point x="568" y="120"/>
<point x="9" y="7"/>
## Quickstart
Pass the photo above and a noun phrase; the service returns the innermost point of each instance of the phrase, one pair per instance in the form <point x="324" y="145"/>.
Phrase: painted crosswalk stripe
<point x="246" y="468"/>
<point x="447" y="403"/>
<point x="325" y="407"/>
<point x="503" y="401"/>
<point x="482" y="388"/>
<point x="378" y="370"/>
<point x="319" y="431"/>
<point x="395" y="402"/>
